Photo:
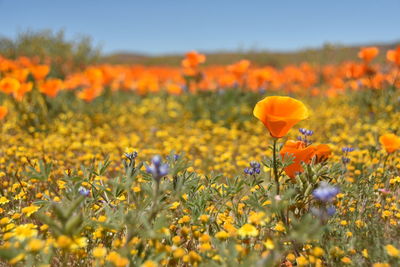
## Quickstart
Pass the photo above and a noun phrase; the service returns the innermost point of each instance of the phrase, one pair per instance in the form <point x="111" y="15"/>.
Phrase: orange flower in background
<point x="6" y="64"/>
<point x="354" y="70"/>
<point x="25" y="61"/>
<point x="51" y="87"/>
<point x="40" y="72"/>
<point x="20" y="74"/>
<point x="22" y="90"/>
<point x="368" y="53"/>
<point x="239" y="70"/>
<point x="280" y="113"/>
<point x="3" y="112"/>
<point x="240" y="67"/>
<point x="90" y="93"/>
<point x="189" y="71"/>
<point x="193" y="58"/>
<point x="8" y="85"/>
<point x="95" y="76"/>
<point x="390" y="142"/>
<point x="299" y="153"/>
<point x="226" y="80"/>
<point x="394" y="55"/>
<point x="147" y="84"/>
<point x="174" y="89"/>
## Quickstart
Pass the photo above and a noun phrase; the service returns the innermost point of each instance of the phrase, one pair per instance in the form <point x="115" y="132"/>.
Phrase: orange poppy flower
<point x="322" y="152"/>
<point x="174" y="89"/>
<point x="51" y="87"/>
<point x="368" y="53"/>
<point x="9" y="85"/>
<point x="300" y="153"/>
<point x="394" y="56"/>
<point x="189" y="71"/>
<point x="23" y="89"/>
<point x="240" y="67"/>
<point x="280" y="113"/>
<point x="90" y="93"/>
<point x="390" y="142"/>
<point x="95" y="76"/>
<point x="40" y="72"/>
<point x="3" y="112"/>
<point x="193" y="59"/>
<point x="20" y="74"/>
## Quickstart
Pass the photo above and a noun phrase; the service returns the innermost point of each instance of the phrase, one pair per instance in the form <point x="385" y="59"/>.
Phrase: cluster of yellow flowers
<point x="76" y="139"/>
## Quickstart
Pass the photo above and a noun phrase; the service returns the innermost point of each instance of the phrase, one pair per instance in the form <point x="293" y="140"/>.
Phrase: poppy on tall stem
<point x="279" y="114"/>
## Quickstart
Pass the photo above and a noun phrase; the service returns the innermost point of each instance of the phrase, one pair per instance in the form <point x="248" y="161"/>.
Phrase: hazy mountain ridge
<point x="329" y="53"/>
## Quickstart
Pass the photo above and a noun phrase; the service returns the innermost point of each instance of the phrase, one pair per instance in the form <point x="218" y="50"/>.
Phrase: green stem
<point x="275" y="166"/>
<point x="153" y="211"/>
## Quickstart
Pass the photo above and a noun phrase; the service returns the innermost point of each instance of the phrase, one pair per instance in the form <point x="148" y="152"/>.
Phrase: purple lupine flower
<point x="331" y="210"/>
<point x="255" y="164"/>
<point x="131" y="156"/>
<point x="305" y="134"/>
<point x="347" y="149"/>
<point x="345" y="160"/>
<point x="157" y="168"/>
<point x="83" y="191"/>
<point x="323" y="213"/>
<point x="325" y="192"/>
<point x="254" y="168"/>
<point x="175" y="157"/>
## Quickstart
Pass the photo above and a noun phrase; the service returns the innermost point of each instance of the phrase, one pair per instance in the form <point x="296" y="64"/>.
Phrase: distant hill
<point x="329" y="53"/>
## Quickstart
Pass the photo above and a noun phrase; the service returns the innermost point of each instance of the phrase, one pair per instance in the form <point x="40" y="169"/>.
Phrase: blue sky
<point x="169" y="26"/>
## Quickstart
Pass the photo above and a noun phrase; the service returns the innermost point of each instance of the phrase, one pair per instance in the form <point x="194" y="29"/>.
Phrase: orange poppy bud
<point x="390" y="142"/>
<point x="280" y="113"/>
<point x="368" y="53"/>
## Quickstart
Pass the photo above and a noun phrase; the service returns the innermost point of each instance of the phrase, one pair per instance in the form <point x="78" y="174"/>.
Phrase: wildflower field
<point x="200" y="165"/>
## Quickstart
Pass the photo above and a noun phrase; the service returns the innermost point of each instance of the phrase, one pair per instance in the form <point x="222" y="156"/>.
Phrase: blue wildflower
<point x="254" y="168"/>
<point x="157" y="168"/>
<point x="131" y="156"/>
<point x="331" y="210"/>
<point x="325" y="192"/>
<point x="305" y="134"/>
<point x="83" y="191"/>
